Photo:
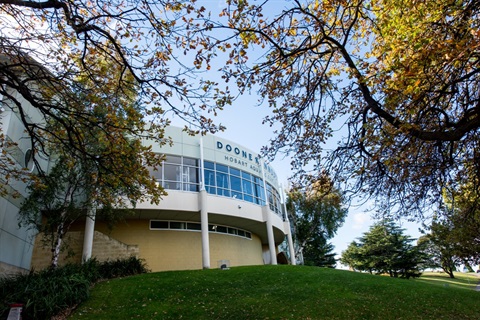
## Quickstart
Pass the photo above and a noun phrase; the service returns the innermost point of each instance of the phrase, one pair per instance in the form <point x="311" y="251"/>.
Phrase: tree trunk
<point x="58" y="241"/>
<point x="468" y="266"/>
<point x="449" y="271"/>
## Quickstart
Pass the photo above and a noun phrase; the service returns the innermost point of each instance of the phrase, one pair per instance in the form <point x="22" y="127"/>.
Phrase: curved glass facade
<point x="183" y="173"/>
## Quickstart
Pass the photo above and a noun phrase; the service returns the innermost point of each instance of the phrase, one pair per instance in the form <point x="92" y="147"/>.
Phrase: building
<point x="16" y="242"/>
<point x="223" y="208"/>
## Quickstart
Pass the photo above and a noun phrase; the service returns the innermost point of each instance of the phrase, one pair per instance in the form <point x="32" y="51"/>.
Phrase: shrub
<point x="48" y="292"/>
<point x="45" y="293"/>
<point x="122" y="268"/>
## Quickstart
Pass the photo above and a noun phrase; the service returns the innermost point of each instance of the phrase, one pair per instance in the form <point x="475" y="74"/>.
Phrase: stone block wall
<point x="104" y="248"/>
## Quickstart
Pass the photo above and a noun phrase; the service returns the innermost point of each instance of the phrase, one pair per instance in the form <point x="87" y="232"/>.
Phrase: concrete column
<point x="88" y="236"/>
<point x="202" y="169"/>
<point x="288" y="229"/>
<point x="293" y="261"/>
<point x="271" y="241"/>
<point x="204" y="214"/>
<point x="268" y="219"/>
<point x="204" y="227"/>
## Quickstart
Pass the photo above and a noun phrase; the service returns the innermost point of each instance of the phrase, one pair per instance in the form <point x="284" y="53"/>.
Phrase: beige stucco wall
<point x="182" y="250"/>
<point x="161" y="249"/>
<point x="239" y="251"/>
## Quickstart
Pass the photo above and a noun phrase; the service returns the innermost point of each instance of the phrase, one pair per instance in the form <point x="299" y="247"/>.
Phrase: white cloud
<point x="361" y="220"/>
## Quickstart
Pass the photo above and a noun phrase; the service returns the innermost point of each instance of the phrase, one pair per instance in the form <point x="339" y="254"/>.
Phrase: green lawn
<point x="278" y="292"/>
<point x="462" y="280"/>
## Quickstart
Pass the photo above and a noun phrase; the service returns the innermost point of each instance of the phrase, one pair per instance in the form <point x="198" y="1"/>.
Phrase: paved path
<point x="478" y="284"/>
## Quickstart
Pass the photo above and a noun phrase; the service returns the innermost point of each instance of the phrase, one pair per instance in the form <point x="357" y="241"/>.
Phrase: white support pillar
<point x="204" y="214"/>
<point x="204" y="228"/>
<point x="268" y="219"/>
<point x="293" y="261"/>
<point x="271" y="240"/>
<point x="88" y="236"/>
<point x="288" y="229"/>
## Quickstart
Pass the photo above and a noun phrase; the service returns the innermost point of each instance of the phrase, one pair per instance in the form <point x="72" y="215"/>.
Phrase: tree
<point x="77" y="183"/>
<point x="316" y="213"/>
<point x="384" y="249"/>
<point x="462" y="219"/>
<point x="47" y="46"/>
<point x="440" y="252"/>
<point x="453" y="236"/>
<point x="318" y="252"/>
<point x="351" y="257"/>
<point x="56" y="201"/>
<point x="401" y="76"/>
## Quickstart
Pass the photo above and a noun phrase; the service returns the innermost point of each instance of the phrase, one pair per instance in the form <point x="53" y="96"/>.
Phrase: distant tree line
<point x="385" y="249"/>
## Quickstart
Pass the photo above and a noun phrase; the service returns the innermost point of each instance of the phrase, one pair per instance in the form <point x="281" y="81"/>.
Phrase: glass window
<point x="232" y="182"/>
<point x="222" y="168"/>
<point x="209" y="178"/>
<point x="191" y="187"/>
<point x="173" y="159"/>
<point x="222" y="229"/>
<point x="247" y="187"/>
<point x="190" y="162"/>
<point x="235" y="172"/>
<point x="157" y="174"/>
<point x="172" y="172"/>
<point x="190" y="174"/>
<point x="172" y="185"/>
<point x="222" y="180"/>
<point x="247" y="197"/>
<point x="158" y="224"/>
<point x="246" y="176"/>
<point x="236" y="183"/>
<point x="258" y="191"/>
<point x="208" y="165"/>
<point x="211" y="190"/>
<point x="194" y="226"/>
<point x="178" y="225"/>
<point x="237" y="195"/>
<point x="223" y="192"/>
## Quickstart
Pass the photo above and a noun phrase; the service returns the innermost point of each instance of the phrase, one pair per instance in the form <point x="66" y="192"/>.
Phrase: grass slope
<point x="275" y="292"/>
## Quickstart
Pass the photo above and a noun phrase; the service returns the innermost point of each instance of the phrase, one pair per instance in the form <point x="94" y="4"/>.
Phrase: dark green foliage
<point x="384" y="249"/>
<point x="318" y="252"/>
<point x="121" y="268"/>
<point x="48" y="292"/>
<point x="316" y="213"/>
<point x="60" y="198"/>
<point x="440" y="249"/>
